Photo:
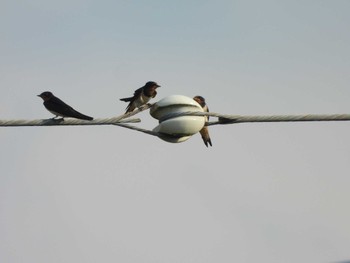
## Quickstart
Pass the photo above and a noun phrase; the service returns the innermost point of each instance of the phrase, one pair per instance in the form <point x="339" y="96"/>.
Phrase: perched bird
<point x="59" y="108"/>
<point x="141" y="96"/>
<point x="204" y="131"/>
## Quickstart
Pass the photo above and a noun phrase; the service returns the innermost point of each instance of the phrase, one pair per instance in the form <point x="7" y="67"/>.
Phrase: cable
<point x="232" y="119"/>
<point x="222" y="119"/>
<point x="74" y="122"/>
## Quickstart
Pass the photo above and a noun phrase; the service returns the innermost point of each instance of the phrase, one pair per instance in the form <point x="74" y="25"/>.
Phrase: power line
<point x="76" y="122"/>
<point x="223" y="119"/>
<point x="232" y="119"/>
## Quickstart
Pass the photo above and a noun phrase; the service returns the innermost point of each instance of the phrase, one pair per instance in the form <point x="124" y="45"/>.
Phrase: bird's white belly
<point x="143" y="100"/>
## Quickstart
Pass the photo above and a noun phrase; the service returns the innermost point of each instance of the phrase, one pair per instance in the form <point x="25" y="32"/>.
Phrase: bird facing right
<point x="204" y="131"/>
<point x="141" y="96"/>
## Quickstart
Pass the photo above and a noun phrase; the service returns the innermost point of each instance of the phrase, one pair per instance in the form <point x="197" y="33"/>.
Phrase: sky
<point x="272" y="192"/>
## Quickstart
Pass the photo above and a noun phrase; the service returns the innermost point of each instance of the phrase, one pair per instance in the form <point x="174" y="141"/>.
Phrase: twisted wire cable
<point x="223" y="119"/>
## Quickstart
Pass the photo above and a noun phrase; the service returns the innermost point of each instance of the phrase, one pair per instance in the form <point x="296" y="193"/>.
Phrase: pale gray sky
<point x="262" y="193"/>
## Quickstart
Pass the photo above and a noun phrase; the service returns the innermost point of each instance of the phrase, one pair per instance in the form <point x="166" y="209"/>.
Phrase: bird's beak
<point x="158" y="86"/>
<point x="39" y="96"/>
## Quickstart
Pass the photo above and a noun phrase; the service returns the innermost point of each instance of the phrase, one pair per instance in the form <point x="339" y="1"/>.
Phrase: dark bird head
<point x="200" y="100"/>
<point x="150" y="89"/>
<point x="46" y="95"/>
<point x="151" y="84"/>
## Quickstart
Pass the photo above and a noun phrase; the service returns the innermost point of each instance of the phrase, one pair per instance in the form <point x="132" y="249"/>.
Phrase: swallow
<point x="59" y="108"/>
<point x="204" y="131"/>
<point x="141" y="96"/>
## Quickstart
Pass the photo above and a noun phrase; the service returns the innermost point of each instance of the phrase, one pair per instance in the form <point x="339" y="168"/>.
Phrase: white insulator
<point x="180" y="128"/>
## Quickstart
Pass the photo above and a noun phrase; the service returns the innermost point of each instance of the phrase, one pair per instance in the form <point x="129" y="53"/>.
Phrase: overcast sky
<point x="275" y="192"/>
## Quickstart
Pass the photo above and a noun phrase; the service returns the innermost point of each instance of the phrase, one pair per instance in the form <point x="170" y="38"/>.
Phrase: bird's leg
<point x="55" y="119"/>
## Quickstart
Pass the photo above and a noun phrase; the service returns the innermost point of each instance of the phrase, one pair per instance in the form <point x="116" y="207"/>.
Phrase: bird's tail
<point x="81" y="116"/>
<point x="126" y="99"/>
<point x="85" y="117"/>
<point x="205" y="136"/>
<point x="208" y="141"/>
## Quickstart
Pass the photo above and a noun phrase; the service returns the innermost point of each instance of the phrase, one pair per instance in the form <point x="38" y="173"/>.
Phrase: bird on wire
<point x="141" y="96"/>
<point x="204" y="131"/>
<point x="59" y="108"/>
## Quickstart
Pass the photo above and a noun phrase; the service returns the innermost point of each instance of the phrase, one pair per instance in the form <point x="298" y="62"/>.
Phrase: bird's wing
<point x="138" y="92"/>
<point x="57" y="105"/>
<point x="206" y="109"/>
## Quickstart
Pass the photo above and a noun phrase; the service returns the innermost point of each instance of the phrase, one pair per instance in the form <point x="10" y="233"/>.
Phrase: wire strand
<point x="232" y="119"/>
<point x="223" y="119"/>
<point x="124" y="118"/>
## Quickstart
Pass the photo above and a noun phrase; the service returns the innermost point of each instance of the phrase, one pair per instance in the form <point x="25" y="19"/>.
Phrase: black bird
<point x="141" y="96"/>
<point x="204" y="131"/>
<point x="59" y="108"/>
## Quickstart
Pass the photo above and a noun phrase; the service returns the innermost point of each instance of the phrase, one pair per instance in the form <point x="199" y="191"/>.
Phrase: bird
<point x="59" y="108"/>
<point x="141" y="96"/>
<point x="204" y="131"/>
